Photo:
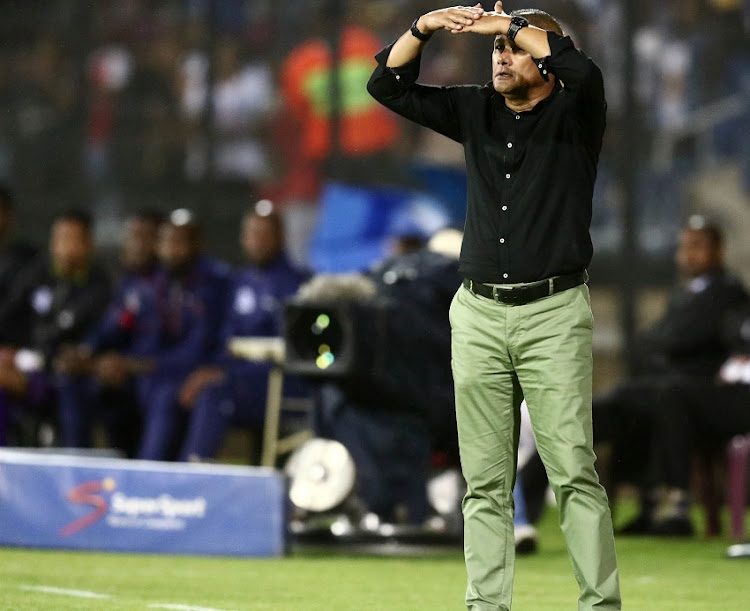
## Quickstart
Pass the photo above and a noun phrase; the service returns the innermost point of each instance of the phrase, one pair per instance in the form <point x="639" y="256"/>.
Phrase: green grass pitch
<point x="656" y="575"/>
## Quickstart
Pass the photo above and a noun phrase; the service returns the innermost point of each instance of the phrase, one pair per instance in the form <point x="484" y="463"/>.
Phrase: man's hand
<point x="453" y="19"/>
<point x="492" y="23"/>
<point x="112" y="369"/>
<point x="11" y="379"/>
<point x="196" y="382"/>
<point x="73" y="360"/>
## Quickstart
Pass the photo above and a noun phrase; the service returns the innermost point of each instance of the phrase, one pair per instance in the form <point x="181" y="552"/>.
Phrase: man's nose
<point x="502" y="56"/>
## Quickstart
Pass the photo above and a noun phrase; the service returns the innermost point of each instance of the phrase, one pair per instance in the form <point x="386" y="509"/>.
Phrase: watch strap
<point x="516" y="24"/>
<point x="417" y="34"/>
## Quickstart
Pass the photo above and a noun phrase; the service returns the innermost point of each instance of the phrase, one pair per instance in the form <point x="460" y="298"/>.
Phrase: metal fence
<point x="122" y="104"/>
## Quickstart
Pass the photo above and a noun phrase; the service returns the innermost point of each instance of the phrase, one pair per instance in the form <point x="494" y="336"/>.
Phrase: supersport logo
<point x="86" y="494"/>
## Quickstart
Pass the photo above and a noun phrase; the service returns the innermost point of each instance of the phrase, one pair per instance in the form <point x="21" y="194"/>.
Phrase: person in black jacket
<point x="14" y="255"/>
<point x="698" y="416"/>
<point x="56" y="300"/>
<point x="687" y="343"/>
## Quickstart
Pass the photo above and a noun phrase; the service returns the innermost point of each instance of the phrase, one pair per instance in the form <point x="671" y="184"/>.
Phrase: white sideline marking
<point x="177" y="607"/>
<point x="65" y="591"/>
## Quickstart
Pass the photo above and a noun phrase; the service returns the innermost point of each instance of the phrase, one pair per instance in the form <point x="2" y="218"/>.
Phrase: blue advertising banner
<point x="53" y="500"/>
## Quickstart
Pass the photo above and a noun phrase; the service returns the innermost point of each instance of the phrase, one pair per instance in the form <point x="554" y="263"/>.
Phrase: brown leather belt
<point x="520" y="295"/>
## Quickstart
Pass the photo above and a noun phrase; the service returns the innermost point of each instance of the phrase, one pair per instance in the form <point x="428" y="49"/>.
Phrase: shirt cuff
<point x="403" y="75"/>
<point x="558" y="46"/>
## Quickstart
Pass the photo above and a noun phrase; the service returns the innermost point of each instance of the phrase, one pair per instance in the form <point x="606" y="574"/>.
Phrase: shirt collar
<point x="538" y="107"/>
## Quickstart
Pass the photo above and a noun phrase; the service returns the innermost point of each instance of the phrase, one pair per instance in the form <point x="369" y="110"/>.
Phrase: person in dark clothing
<point x="686" y="344"/>
<point x="701" y="415"/>
<point x="521" y="322"/>
<point x="14" y="255"/>
<point x="56" y="300"/>
<point x="85" y="394"/>
<point x="392" y="416"/>
<point x="180" y="330"/>
<point x="228" y="390"/>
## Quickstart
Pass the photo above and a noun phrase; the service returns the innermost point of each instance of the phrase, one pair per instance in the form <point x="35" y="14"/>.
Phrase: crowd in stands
<point x="133" y="101"/>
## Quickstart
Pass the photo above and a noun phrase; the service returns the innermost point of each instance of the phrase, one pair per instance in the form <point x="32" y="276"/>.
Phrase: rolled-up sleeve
<point x="397" y="89"/>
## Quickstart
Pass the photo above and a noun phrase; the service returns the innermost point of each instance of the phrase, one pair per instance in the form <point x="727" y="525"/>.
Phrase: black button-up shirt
<point x="530" y="175"/>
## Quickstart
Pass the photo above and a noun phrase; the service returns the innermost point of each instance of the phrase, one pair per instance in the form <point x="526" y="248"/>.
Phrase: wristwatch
<point x="516" y="23"/>
<point x="417" y="34"/>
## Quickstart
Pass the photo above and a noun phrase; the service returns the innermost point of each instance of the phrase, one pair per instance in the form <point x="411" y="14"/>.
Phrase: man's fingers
<point x="498" y="7"/>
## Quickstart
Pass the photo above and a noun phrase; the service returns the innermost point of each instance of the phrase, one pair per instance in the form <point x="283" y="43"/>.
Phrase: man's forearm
<point x="454" y="19"/>
<point x="404" y="50"/>
<point x="531" y="39"/>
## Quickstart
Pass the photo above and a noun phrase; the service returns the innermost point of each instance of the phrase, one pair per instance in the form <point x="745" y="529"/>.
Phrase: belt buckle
<point x="509" y="295"/>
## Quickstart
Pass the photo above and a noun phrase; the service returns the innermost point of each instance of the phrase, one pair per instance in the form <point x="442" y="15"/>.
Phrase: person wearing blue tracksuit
<point x="180" y="331"/>
<point x="230" y="390"/>
<point x="83" y="396"/>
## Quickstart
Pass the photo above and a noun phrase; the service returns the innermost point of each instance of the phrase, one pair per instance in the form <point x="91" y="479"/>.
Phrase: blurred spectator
<point x="180" y="332"/>
<point x="109" y="70"/>
<point x="180" y="329"/>
<point x="41" y="103"/>
<point x="367" y="134"/>
<point x="306" y="81"/>
<point x="241" y="103"/>
<point x="149" y="137"/>
<point x="14" y="255"/>
<point x="700" y="416"/>
<point x="54" y="301"/>
<point x="86" y="392"/>
<point x="684" y="345"/>
<point x="232" y="391"/>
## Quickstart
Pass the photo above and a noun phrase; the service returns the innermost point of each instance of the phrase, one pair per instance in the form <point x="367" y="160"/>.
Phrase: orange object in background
<point x="366" y="127"/>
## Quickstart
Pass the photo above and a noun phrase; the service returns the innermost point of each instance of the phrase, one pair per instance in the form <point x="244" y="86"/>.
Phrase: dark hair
<point x="539" y="18"/>
<point x="698" y="222"/>
<point x="82" y="217"/>
<point x="7" y="199"/>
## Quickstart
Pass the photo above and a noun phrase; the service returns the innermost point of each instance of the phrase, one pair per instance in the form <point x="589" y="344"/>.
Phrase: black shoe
<point x="638" y="526"/>
<point x="526" y="540"/>
<point x="673" y="527"/>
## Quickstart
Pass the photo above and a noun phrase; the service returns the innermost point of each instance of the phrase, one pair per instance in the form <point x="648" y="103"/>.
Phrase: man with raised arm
<point x="521" y="321"/>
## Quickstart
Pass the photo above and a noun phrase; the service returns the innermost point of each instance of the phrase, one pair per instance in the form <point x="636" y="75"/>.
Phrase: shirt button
<point x="505" y="208"/>
<point x="505" y="275"/>
<point x="398" y="77"/>
<point x="518" y="117"/>
<point x="502" y="240"/>
<point x="510" y="145"/>
<point x="507" y="176"/>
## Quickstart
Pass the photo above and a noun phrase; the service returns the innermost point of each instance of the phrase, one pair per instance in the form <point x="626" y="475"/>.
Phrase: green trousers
<point x="539" y="351"/>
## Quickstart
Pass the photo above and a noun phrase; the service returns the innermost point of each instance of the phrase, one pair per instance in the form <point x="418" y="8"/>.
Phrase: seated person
<point x="56" y="300"/>
<point x="180" y="330"/>
<point x="685" y="344"/>
<point x="232" y="390"/>
<point x="701" y="415"/>
<point x="14" y="256"/>
<point x="86" y="389"/>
